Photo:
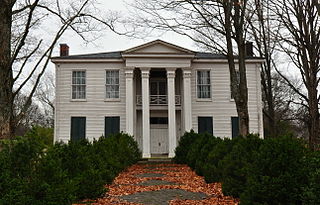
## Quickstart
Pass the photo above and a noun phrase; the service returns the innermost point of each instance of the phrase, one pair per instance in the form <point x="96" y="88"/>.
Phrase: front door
<point x="159" y="135"/>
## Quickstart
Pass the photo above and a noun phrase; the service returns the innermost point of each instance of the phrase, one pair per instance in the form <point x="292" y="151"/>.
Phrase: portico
<point x="153" y="93"/>
<point x="158" y="87"/>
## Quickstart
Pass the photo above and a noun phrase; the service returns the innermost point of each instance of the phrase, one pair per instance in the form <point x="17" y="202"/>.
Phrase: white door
<point x="159" y="136"/>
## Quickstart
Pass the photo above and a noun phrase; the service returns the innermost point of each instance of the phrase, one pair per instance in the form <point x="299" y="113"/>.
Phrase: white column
<point x="129" y="101"/>
<point x="145" y="114"/>
<point x="187" y="100"/>
<point x="171" y="112"/>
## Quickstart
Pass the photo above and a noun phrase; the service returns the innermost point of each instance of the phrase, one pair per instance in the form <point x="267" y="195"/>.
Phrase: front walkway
<point x="162" y="184"/>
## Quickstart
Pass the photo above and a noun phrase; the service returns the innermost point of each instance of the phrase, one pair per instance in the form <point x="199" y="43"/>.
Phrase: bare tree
<point x="45" y="92"/>
<point x="299" y="39"/>
<point x="25" y="51"/>
<point x="261" y="30"/>
<point x="207" y="23"/>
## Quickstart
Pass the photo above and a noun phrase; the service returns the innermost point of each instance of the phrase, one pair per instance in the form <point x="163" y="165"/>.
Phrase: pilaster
<point x="187" y="100"/>
<point x="129" y="101"/>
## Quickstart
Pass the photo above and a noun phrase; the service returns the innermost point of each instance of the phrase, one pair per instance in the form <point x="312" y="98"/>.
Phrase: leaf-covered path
<point x="162" y="184"/>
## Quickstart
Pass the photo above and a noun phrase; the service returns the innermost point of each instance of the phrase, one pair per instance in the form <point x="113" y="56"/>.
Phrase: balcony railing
<point x="159" y="100"/>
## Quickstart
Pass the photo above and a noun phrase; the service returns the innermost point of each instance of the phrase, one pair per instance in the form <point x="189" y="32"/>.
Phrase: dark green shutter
<point x="205" y="125"/>
<point x="78" y="128"/>
<point x="111" y="126"/>
<point x="235" y="126"/>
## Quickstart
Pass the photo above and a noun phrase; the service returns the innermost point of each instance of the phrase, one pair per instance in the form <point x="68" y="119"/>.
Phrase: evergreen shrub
<point x="234" y="166"/>
<point x="33" y="173"/>
<point x="184" y="146"/>
<point x="277" y="173"/>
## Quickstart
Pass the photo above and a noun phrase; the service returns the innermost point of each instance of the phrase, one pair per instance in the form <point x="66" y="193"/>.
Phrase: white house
<point x="155" y="92"/>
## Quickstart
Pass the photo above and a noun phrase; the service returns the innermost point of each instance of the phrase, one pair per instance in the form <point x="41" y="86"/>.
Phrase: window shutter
<point x="78" y="128"/>
<point x="205" y="125"/>
<point x="235" y="127"/>
<point x="112" y="125"/>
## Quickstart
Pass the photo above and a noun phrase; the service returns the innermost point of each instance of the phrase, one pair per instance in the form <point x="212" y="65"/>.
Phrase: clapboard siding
<point x="95" y="108"/>
<point x="221" y="107"/>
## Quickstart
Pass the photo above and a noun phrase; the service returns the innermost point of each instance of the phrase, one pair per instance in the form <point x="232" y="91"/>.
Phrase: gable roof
<point x="169" y="47"/>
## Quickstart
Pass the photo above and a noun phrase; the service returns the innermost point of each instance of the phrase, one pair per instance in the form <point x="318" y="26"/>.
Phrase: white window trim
<point x="105" y="86"/>
<point x="196" y="87"/>
<point x="78" y="100"/>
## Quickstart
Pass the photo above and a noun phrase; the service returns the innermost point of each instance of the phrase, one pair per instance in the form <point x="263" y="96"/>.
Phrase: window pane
<point x="112" y="84"/>
<point x="203" y="84"/>
<point x="78" y="84"/>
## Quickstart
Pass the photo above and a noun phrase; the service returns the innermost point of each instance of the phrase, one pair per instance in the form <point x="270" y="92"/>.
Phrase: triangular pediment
<point x="158" y="47"/>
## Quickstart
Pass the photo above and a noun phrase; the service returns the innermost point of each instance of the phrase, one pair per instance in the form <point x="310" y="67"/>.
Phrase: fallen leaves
<point x="184" y="178"/>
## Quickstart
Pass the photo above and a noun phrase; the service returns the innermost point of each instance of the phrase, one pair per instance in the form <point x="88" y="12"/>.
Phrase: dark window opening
<point x="158" y="120"/>
<point x="78" y="128"/>
<point x="205" y="125"/>
<point x="158" y="74"/>
<point x="111" y="125"/>
<point x="235" y="127"/>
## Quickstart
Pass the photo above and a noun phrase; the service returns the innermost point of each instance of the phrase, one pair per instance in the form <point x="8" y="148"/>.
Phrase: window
<point x="111" y="125"/>
<point x="78" y="84"/>
<point x="78" y="128"/>
<point x="235" y="127"/>
<point x="112" y="84"/>
<point x="205" y="125"/>
<point x="158" y="120"/>
<point x="203" y="84"/>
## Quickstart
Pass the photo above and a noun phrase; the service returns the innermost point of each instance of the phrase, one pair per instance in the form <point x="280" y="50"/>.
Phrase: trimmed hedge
<point x="31" y="173"/>
<point x="270" y="171"/>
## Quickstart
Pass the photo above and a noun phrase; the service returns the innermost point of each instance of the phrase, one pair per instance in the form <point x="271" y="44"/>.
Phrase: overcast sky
<point x="114" y="42"/>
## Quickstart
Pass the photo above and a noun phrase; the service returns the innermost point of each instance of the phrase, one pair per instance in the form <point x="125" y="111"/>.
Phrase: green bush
<point x="195" y="149"/>
<point x="18" y="162"/>
<point x="184" y="146"/>
<point x="211" y="171"/>
<point x="202" y="160"/>
<point x="311" y="192"/>
<point x="234" y="166"/>
<point x="271" y="171"/>
<point x="33" y="173"/>
<point x="277" y="173"/>
<point x="43" y="135"/>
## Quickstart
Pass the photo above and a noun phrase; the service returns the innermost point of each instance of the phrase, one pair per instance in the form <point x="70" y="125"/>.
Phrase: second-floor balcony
<point x="158" y="100"/>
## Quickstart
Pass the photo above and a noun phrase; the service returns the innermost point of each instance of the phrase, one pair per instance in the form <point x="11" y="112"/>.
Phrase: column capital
<point x="187" y="73"/>
<point x="129" y="73"/>
<point x="145" y="72"/>
<point x="171" y="73"/>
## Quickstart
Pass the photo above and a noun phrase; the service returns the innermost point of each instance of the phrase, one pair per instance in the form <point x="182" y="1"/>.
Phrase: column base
<point x="146" y="155"/>
<point x="171" y="155"/>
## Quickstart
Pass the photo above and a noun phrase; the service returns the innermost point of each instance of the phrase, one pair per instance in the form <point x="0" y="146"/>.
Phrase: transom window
<point x="78" y="84"/>
<point x="112" y="84"/>
<point x="203" y="84"/>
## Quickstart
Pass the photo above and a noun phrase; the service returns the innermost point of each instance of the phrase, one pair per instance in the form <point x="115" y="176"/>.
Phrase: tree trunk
<point x="242" y="97"/>
<point x="238" y="88"/>
<point x="6" y="77"/>
<point x="313" y="116"/>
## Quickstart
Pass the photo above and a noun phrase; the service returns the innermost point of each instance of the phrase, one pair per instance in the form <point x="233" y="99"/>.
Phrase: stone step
<point x="156" y="160"/>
